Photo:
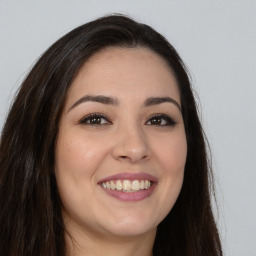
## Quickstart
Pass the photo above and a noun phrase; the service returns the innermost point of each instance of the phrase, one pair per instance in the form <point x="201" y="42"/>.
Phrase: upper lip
<point x="130" y="176"/>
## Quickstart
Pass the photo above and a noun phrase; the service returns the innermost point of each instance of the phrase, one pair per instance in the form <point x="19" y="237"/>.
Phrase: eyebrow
<point x="158" y="100"/>
<point x="97" y="98"/>
<point x="115" y="102"/>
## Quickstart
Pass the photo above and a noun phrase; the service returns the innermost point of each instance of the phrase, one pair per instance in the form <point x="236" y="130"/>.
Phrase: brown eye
<point x="95" y="119"/>
<point x="161" y="120"/>
<point x="156" y="121"/>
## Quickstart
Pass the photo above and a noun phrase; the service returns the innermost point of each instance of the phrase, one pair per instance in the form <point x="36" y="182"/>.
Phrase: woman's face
<point x="121" y="147"/>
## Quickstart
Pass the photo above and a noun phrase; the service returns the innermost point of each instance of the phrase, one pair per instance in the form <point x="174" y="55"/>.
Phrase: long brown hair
<point x="30" y="209"/>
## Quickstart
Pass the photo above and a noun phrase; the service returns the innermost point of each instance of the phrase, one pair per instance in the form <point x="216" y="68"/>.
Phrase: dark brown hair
<point x="30" y="212"/>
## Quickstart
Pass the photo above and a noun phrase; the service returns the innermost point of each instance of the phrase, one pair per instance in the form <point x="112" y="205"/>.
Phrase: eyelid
<point x="169" y="120"/>
<point x="91" y="115"/>
<point x="166" y="117"/>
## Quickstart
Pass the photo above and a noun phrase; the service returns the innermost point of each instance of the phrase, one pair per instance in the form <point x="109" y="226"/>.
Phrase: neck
<point x="82" y="244"/>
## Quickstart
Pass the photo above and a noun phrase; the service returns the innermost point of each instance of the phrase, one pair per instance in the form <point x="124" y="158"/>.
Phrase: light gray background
<point x="217" y="41"/>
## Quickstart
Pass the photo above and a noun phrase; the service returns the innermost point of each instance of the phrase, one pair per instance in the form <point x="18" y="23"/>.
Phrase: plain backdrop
<point x="216" y="39"/>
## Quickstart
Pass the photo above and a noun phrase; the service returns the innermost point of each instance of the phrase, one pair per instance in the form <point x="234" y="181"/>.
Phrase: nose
<point x="131" y="145"/>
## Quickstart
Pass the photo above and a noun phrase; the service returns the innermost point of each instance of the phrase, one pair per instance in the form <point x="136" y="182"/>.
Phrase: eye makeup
<point x="161" y="120"/>
<point x="98" y="119"/>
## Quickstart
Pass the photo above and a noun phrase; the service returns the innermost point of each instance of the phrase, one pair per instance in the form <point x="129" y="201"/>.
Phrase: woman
<point x="103" y="153"/>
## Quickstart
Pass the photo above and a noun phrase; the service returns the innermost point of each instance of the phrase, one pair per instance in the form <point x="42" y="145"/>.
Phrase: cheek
<point x="76" y="168"/>
<point x="78" y="156"/>
<point x="172" y="153"/>
<point x="76" y="165"/>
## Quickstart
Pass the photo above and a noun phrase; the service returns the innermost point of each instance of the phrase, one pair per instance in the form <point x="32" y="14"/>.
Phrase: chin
<point x="131" y="227"/>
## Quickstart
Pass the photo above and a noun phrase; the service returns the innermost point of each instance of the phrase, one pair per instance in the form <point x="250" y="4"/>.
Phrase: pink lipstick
<point x="129" y="186"/>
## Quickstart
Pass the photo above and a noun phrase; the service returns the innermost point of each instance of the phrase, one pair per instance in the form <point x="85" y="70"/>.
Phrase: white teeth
<point x="147" y="184"/>
<point x="127" y="185"/>
<point x="135" y="185"/>
<point x="119" y="185"/>
<point x="112" y="184"/>
<point x="142" y="184"/>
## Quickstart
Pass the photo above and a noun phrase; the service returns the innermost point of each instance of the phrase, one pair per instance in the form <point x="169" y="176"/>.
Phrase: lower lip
<point x="131" y="196"/>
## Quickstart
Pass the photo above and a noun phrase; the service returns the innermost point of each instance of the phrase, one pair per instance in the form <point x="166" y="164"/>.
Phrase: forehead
<point x="125" y="72"/>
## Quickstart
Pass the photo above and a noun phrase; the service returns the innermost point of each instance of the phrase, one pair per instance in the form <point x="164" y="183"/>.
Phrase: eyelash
<point x="98" y="117"/>
<point x="169" y="121"/>
<point x="85" y="120"/>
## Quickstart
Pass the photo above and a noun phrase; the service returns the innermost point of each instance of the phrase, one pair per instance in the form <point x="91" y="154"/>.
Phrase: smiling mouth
<point x="127" y="185"/>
